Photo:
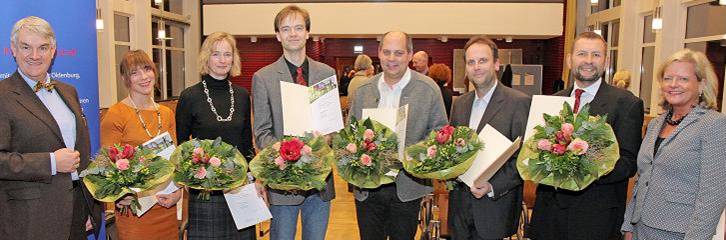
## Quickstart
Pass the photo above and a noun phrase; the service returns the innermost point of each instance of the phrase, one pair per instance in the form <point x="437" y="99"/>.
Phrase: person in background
<point x="135" y="120"/>
<point x="681" y="169"/>
<point x="214" y="108"/>
<point x="363" y="71"/>
<point x="621" y="79"/>
<point x="441" y="74"/>
<point x="421" y="62"/>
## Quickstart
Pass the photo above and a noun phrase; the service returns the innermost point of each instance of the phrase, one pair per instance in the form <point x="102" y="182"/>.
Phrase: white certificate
<point x="393" y="118"/>
<point x="246" y="206"/>
<point x="310" y="109"/>
<point x="163" y="145"/>
<point x="497" y="150"/>
<point x="720" y="228"/>
<point x="541" y="104"/>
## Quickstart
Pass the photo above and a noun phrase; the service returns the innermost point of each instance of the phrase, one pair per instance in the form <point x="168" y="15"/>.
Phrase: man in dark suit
<point x="292" y="25"/>
<point x="44" y="143"/>
<point x="490" y="210"/>
<point x="597" y="211"/>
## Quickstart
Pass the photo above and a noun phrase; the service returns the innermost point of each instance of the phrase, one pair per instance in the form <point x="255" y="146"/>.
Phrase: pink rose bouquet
<point x="570" y="151"/>
<point x="119" y="170"/>
<point x="445" y="154"/>
<point x="364" y="152"/>
<point x="209" y="165"/>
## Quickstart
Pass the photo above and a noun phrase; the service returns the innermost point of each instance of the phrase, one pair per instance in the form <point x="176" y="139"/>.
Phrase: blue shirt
<point x="62" y="115"/>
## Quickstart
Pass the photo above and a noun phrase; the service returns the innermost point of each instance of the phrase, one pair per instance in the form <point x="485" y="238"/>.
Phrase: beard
<point x="593" y="78"/>
<point x="488" y="82"/>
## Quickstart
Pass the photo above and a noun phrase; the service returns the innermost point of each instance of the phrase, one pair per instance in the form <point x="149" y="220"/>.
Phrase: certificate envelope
<point x="551" y="105"/>
<point x="246" y="207"/>
<point x="495" y="153"/>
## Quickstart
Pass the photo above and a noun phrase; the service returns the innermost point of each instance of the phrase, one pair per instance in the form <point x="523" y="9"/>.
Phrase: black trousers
<point x="461" y="218"/>
<point x="383" y="215"/>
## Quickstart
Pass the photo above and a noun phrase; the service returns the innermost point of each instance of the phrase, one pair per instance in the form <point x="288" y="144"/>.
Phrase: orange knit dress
<point x="121" y="125"/>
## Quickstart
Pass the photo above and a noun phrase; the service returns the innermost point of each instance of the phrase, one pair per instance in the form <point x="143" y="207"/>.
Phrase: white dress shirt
<point x="479" y="106"/>
<point x="589" y="93"/>
<point x="391" y="95"/>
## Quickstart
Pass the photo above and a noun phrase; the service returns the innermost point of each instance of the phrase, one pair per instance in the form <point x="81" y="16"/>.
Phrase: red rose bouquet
<point x="364" y="152"/>
<point x="295" y="163"/>
<point x="445" y="154"/>
<point x="120" y="170"/>
<point x="209" y="165"/>
<point x="570" y="151"/>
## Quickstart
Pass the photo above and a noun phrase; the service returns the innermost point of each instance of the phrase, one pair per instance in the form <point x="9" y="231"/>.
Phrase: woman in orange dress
<point x="135" y="120"/>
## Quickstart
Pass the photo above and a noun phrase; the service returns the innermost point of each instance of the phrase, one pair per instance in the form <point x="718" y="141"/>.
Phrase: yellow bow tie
<point x="41" y="85"/>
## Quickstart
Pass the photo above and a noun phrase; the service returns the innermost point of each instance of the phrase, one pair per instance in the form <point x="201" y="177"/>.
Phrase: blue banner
<point x="76" y="60"/>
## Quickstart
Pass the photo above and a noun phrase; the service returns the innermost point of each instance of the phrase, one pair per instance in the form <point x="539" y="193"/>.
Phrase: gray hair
<point x="363" y="62"/>
<point x="36" y="25"/>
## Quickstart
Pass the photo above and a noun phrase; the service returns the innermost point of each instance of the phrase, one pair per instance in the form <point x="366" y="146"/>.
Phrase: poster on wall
<point x="76" y="58"/>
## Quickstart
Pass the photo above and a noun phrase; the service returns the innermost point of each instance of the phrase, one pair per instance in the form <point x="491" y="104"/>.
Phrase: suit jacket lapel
<point x="602" y="97"/>
<point x="688" y="120"/>
<point x="284" y="72"/>
<point x="462" y="118"/>
<point x="495" y="103"/>
<point x="27" y="98"/>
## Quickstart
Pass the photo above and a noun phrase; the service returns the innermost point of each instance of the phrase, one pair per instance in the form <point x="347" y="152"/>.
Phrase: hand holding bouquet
<point x="209" y="165"/>
<point x="445" y="154"/>
<point x="295" y="163"/>
<point x="570" y="151"/>
<point x="364" y="152"/>
<point x="120" y="170"/>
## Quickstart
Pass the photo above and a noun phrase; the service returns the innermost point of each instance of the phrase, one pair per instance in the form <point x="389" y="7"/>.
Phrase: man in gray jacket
<point x="391" y="210"/>
<point x="292" y="25"/>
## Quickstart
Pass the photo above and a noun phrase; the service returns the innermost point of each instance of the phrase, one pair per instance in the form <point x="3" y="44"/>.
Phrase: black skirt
<point x="212" y="220"/>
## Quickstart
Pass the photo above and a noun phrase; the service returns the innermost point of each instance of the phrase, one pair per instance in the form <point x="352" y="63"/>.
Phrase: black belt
<point x="296" y="192"/>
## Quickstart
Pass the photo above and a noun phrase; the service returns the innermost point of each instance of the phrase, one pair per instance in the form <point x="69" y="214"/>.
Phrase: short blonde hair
<point x="134" y="59"/>
<point x="36" y="25"/>
<point x="621" y="79"/>
<point x="704" y="73"/>
<point x="208" y="47"/>
<point x="362" y="62"/>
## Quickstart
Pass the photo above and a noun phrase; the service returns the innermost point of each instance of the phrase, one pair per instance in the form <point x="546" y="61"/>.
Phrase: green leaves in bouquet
<point x="306" y="173"/>
<point x="449" y="159"/>
<point x="361" y="165"/>
<point x="230" y="173"/>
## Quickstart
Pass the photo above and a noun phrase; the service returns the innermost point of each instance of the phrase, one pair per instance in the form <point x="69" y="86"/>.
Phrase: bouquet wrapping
<point x="364" y="152"/>
<point x="119" y="170"/>
<point x="570" y="151"/>
<point x="294" y="164"/>
<point x="445" y="154"/>
<point x="209" y="165"/>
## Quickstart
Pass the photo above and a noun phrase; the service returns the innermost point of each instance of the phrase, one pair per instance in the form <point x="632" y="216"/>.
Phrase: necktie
<point x="578" y="94"/>
<point x="300" y="79"/>
<point x="41" y="85"/>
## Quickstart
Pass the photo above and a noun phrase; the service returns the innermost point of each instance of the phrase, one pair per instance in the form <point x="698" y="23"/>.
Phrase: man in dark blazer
<point x="595" y="212"/>
<point x="391" y="211"/>
<point x="292" y="25"/>
<point x="491" y="210"/>
<point x="44" y="143"/>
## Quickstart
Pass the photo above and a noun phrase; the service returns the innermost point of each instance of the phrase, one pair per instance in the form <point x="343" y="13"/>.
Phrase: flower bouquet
<point x="294" y="164"/>
<point x="120" y="170"/>
<point x="570" y="151"/>
<point x="445" y="154"/>
<point x="209" y="165"/>
<point x="365" y="151"/>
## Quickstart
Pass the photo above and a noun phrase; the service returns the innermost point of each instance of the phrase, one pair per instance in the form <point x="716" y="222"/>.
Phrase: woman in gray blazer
<point x="680" y="192"/>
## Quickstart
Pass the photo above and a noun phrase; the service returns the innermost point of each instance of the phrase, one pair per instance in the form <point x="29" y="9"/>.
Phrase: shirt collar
<point x="591" y="90"/>
<point x="293" y="68"/>
<point x="399" y="85"/>
<point x="32" y="82"/>
<point x="487" y="97"/>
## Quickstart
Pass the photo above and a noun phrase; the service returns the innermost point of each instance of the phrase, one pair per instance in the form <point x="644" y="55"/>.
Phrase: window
<point x="122" y="43"/>
<point x="647" y="62"/>
<point x="168" y="50"/>
<point x="706" y="32"/>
